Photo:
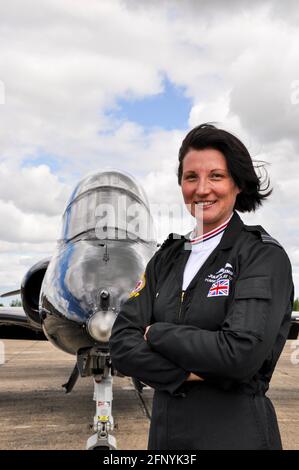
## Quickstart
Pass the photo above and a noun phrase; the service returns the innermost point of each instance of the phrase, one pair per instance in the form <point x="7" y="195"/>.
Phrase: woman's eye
<point x="190" y="177"/>
<point x="217" y="176"/>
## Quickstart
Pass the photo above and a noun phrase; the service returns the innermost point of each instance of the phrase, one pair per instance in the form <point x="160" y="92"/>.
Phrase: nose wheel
<point x="99" y="443"/>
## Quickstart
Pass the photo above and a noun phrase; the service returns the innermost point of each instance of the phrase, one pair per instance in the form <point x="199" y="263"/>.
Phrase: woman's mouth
<point x="205" y="204"/>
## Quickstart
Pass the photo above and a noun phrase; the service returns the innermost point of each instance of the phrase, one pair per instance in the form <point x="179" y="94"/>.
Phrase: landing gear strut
<point x="97" y="363"/>
<point x="103" y="419"/>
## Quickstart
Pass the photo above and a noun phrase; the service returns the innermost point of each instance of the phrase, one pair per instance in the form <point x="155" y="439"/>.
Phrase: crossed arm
<point x="191" y="377"/>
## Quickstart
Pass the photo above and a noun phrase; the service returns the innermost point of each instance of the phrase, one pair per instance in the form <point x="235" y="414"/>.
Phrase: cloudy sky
<point x="115" y="83"/>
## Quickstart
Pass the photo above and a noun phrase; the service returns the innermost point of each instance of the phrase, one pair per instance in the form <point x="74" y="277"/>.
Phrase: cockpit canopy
<point x="108" y="205"/>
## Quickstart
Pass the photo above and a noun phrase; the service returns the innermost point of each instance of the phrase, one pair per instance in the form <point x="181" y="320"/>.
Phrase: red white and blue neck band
<point x="209" y="235"/>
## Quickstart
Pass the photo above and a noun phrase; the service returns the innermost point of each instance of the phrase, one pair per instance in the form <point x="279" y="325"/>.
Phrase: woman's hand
<point x="145" y="333"/>
<point x="193" y="377"/>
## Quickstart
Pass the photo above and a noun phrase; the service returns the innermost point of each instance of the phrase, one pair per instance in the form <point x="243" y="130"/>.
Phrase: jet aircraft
<point x="73" y="297"/>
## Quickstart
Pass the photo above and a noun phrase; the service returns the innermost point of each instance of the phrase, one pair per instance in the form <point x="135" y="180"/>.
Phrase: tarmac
<point x="37" y="414"/>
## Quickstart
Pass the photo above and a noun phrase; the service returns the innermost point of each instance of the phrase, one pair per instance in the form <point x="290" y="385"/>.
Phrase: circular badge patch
<point x="139" y="286"/>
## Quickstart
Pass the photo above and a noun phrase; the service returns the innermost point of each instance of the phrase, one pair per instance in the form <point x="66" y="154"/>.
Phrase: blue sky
<point x="169" y="109"/>
<point x="42" y="158"/>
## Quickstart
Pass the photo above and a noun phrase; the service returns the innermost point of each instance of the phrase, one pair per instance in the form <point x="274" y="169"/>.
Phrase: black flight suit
<point x="233" y="340"/>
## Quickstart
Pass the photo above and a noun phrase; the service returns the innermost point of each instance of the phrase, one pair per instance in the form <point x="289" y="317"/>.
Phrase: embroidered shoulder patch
<point x="139" y="286"/>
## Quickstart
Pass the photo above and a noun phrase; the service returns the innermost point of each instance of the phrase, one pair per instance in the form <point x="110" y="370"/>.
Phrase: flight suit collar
<point x="228" y="239"/>
<point x="180" y="261"/>
<point x="231" y="233"/>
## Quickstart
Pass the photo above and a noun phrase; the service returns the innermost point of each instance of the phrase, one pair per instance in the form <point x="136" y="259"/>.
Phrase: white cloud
<point x="21" y="227"/>
<point x="32" y="189"/>
<point x="15" y="260"/>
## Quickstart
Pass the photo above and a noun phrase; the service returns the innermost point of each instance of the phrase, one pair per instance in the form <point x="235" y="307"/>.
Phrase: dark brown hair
<point x="239" y="164"/>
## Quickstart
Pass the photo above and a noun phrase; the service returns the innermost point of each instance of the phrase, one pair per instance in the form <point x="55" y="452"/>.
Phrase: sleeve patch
<point x="139" y="286"/>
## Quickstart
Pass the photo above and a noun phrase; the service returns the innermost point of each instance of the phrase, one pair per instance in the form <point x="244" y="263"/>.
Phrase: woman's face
<point x="208" y="189"/>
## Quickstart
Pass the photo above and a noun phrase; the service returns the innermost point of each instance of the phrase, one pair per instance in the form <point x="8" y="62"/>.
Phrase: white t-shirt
<point x="201" y="248"/>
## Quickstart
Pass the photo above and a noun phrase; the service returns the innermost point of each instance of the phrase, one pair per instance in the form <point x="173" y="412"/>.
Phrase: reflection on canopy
<point x="108" y="205"/>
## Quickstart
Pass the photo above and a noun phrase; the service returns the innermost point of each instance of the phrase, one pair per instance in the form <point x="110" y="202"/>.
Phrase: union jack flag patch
<point x="220" y="287"/>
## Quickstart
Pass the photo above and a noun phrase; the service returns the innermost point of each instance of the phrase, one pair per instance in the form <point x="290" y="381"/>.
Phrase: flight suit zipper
<point x="181" y="304"/>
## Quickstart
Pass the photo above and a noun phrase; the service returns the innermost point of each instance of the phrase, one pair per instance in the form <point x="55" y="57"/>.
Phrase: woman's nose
<point x="202" y="187"/>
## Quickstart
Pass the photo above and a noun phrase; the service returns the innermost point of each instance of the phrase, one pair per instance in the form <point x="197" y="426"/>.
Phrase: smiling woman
<point x="213" y="314"/>
<point x="208" y="189"/>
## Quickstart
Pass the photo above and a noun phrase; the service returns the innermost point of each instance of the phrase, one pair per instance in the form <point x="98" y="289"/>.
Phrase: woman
<point x="208" y="323"/>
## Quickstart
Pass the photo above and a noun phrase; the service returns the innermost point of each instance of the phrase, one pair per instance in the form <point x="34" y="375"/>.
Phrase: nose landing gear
<point x="103" y="419"/>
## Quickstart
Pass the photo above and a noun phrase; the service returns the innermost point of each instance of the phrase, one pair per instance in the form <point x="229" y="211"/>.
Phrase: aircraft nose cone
<point x="100" y="325"/>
